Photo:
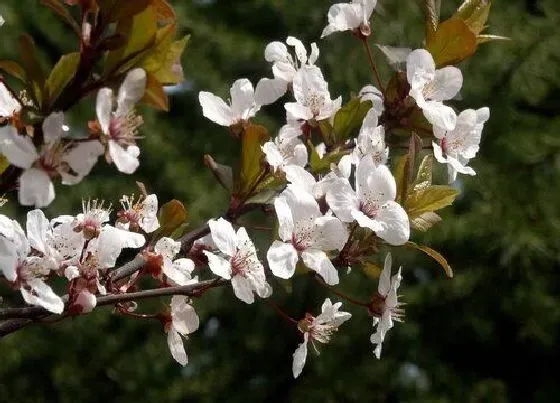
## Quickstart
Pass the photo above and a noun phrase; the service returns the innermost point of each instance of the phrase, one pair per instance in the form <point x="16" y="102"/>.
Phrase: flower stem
<point x="373" y="65"/>
<point x="280" y="312"/>
<point x="340" y="294"/>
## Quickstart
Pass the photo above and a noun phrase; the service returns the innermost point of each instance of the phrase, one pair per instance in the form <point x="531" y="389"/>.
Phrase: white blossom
<point x="184" y="321"/>
<point x="430" y="87"/>
<point x="245" y="101"/>
<point x="8" y="104"/>
<point x="370" y="142"/>
<point x="305" y="233"/>
<point x="285" y="149"/>
<point x="372" y="204"/>
<point x="238" y="261"/>
<point x="71" y="162"/>
<point x="350" y="16"/>
<point x="456" y="147"/>
<point x="313" y="99"/>
<point x="387" y="306"/>
<point x="120" y="127"/>
<point x="320" y="328"/>
<point x="179" y="271"/>
<point x="284" y="64"/>
<point x="140" y="214"/>
<point x="28" y="260"/>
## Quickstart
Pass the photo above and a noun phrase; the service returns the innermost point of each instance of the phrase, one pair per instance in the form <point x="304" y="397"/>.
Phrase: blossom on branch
<point x="181" y="322"/>
<point x="245" y="101"/>
<point x="237" y="261"/>
<point x="456" y="147"/>
<point x="313" y="99"/>
<point x="350" y="16"/>
<point x="320" y="328"/>
<point x="385" y="306"/>
<point x="372" y="203"/>
<point x="430" y="87"/>
<point x="284" y="65"/>
<point x="305" y="233"/>
<point x="120" y="127"/>
<point x="69" y="161"/>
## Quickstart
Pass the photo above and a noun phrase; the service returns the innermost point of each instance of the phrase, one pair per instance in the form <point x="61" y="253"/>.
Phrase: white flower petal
<point x="176" y="347"/>
<point x="104" y="108"/>
<point x="269" y="90"/>
<point x="447" y="83"/>
<point x="131" y="91"/>
<point x="42" y="295"/>
<point x="385" y="277"/>
<point x="420" y="68"/>
<point x="183" y="316"/>
<point x="52" y="127"/>
<point x="8" y="259"/>
<point x="35" y="188"/>
<point x="83" y="156"/>
<point x="125" y="159"/>
<point x="224" y="235"/>
<point x="8" y="104"/>
<point x="38" y="229"/>
<point x="215" y="109"/>
<point x="276" y="52"/>
<point x="298" y="176"/>
<point x="299" y="357"/>
<point x="396" y="226"/>
<point x="243" y="104"/>
<point x="342" y="199"/>
<point x="318" y="261"/>
<point x="331" y="233"/>
<point x="285" y="219"/>
<point x="218" y="265"/>
<point x="243" y="289"/>
<point x="179" y="271"/>
<point x="19" y="150"/>
<point x="282" y="259"/>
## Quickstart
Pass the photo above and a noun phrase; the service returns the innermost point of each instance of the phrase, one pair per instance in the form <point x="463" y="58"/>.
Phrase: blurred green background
<point x="491" y="334"/>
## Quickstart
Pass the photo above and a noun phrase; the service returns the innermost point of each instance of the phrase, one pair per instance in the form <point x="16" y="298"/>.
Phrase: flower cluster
<point x="333" y="177"/>
<point x="55" y="152"/>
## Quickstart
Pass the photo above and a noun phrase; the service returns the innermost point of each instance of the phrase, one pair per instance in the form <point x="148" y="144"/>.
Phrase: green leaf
<point x="58" y="8"/>
<point x="35" y="76"/>
<point x="430" y="198"/>
<point x="372" y="270"/>
<point x="155" y="95"/>
<point x="434" y="255"/>
<point x="222" y="173"/>
<point x="488" y="38"/>
<point x="171" y="216"/>
<point x="164" y="59"/>
<point x="432" y="11"/>
<point x="425" y="221"/>
<point x="4" y="164"/>
<point x="117" y="10"/>
<point x="264" y="197"/>
<point x="475" y="14"/>
<point x="62" y="73"/>
<point x="349" y="118"/>
<point x="320" y="165"/>
<point x="141" y="30"/>
<point x="252" y="166"/>
<point x="452" y="42"/>
<point x="13" y="69"/>
<point x="401" y="178"/>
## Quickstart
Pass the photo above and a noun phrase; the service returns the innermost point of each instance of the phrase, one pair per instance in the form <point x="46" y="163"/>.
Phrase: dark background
<point x="491" y="334"/>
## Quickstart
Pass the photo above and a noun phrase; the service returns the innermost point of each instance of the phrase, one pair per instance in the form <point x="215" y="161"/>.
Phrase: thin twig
<point x="373" y="65"/>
